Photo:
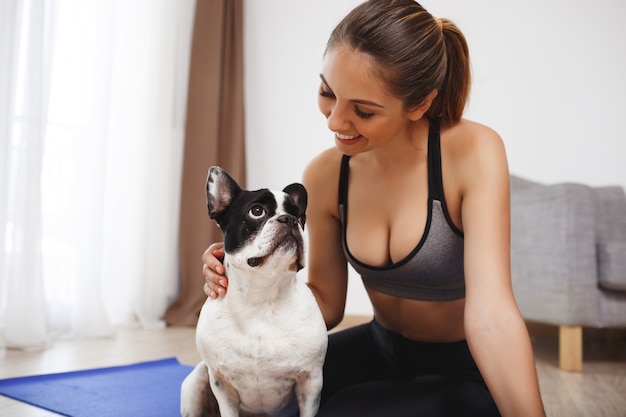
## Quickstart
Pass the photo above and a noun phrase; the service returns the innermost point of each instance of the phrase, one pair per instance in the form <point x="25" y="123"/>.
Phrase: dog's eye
<point x="256" y="212"/>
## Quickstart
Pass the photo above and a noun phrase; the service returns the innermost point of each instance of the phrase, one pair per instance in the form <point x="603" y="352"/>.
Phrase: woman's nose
<point x="337" y="119"/>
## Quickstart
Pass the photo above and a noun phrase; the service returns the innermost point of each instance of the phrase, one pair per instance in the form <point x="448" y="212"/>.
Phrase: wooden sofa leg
<point x="571" y="348"/>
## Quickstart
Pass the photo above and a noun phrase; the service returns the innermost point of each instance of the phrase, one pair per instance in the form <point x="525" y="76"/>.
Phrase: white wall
<point x="549" y="76"/>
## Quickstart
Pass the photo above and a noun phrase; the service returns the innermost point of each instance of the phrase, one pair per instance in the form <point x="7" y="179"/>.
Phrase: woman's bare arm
<point x="495" y="331"/>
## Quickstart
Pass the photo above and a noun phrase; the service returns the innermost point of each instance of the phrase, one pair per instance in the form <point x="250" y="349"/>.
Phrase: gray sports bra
<point x="433" y="271"/>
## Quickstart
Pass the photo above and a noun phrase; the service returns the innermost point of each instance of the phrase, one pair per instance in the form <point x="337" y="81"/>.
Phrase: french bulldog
<point x="263" y="344"/>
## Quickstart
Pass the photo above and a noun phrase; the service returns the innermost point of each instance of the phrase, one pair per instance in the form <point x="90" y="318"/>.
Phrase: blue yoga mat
<point x="146" y="389"/>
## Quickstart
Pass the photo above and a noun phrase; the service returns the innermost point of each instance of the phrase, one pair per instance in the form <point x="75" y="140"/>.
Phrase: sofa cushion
<point x="612" y="265"/>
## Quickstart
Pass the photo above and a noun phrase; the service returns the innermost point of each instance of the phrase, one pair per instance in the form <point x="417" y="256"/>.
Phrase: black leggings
<point x="370" y="371"/>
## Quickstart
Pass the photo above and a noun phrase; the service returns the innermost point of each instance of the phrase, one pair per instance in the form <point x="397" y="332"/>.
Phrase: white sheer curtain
<point x="92" y="113"/>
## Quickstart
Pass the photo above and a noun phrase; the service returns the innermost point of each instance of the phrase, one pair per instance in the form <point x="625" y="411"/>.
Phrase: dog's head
<point x="260" y="225"/>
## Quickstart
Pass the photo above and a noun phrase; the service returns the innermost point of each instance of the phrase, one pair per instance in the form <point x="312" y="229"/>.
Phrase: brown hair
<point x="413" y="54"/>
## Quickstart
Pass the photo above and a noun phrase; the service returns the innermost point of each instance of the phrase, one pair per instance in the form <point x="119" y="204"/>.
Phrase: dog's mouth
<point x="287" y="240"/>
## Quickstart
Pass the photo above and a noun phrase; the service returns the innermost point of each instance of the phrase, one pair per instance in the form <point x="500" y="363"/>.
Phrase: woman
<point x="422" y="213"/>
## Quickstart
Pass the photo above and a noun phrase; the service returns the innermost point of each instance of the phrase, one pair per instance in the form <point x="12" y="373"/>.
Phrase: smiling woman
<point x="415" y="198"/>
<point x="93" y="111"/>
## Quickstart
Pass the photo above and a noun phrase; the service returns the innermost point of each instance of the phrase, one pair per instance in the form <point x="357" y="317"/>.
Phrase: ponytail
<point x="452" y="96"/>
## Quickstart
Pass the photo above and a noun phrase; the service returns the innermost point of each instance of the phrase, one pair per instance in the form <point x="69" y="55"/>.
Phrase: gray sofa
<point x="568" y="259"/>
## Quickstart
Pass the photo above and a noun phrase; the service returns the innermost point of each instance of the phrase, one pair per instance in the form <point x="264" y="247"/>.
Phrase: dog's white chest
<point x="262" y="353"/>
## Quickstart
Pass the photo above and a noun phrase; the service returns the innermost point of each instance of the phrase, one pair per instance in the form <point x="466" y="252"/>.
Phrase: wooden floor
<point x="598" y="391"/>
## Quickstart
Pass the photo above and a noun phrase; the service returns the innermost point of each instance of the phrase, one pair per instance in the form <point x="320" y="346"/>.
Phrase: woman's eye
<point x="326" y="94"/>
<point x="362" y="114"/>
<point x="256" y="212"/>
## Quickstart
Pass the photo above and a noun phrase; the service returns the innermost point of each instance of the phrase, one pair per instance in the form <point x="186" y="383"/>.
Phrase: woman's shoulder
<point x="469" y="133"/>
<point x="321" y="178"/>
<point x="472" y="142"/>
<point x="475" y="151"/>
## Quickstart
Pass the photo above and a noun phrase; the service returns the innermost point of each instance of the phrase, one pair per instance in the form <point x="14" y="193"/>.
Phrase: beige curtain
<point x="214" y="136"/>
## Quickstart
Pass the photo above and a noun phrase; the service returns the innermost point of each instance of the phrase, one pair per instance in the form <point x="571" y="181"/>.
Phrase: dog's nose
<point x="288" y="219"/>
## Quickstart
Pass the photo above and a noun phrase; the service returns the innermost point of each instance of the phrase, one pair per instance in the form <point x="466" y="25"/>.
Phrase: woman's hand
<point x="213" y="271"/>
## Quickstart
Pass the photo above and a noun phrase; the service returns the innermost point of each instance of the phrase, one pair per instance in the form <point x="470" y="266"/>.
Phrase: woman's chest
<point x="386" y="221"/>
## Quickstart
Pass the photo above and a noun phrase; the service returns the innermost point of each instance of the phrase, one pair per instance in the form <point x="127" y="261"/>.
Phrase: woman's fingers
<point x="213" y="271"/>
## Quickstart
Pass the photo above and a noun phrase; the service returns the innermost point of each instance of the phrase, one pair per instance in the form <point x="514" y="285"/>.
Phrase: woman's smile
<point x="347" y="139"/>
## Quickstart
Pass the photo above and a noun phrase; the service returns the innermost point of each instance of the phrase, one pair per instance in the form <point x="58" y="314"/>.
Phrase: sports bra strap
<point x="435" y="182"/>
<point x="343" y="179"/>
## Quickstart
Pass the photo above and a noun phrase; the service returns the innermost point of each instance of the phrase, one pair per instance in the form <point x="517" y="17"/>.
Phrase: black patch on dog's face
<point x="246" y="217"/>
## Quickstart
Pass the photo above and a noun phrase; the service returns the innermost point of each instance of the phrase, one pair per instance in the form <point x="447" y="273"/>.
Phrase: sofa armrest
<point x="553" y="253"/>
<point x="612" y="266"/>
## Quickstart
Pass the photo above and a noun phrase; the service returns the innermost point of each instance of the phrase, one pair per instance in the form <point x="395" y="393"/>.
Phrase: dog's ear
<point x="221" y="191"/>
<point x="298" y="194"/>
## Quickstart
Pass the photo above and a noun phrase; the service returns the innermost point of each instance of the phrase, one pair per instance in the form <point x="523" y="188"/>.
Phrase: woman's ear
<point x="417" y="112"/>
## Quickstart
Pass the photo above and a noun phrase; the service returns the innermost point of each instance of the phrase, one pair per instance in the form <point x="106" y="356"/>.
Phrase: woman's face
<point x="359" y="109"/>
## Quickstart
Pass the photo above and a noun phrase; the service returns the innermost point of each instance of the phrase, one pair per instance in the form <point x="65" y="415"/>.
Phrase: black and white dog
<point x="264" y="342"/>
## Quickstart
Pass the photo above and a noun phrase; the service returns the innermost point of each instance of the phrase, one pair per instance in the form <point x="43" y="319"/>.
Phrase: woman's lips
<point x="346" y="138"/>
